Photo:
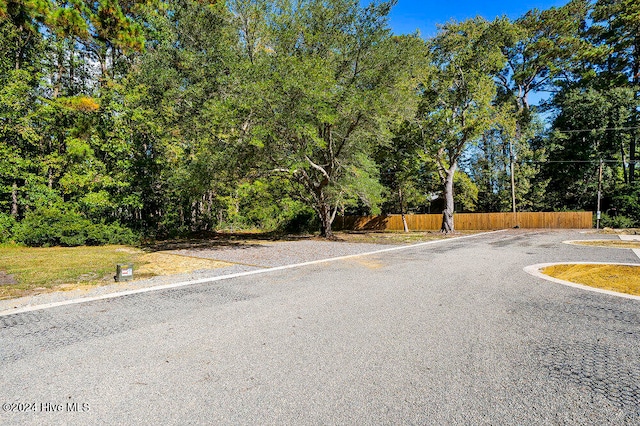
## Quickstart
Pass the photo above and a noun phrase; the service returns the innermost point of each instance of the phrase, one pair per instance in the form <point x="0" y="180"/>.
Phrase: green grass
<point x="46" y="268"/>
<point x="66" y="268"/>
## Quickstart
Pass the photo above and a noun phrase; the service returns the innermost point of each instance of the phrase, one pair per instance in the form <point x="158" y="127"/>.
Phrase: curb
<point x="577" y="243"/>
<point x="535" y="271"/>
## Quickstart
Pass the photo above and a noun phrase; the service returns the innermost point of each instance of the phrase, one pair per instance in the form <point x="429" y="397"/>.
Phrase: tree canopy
<point x="164" y="117"/>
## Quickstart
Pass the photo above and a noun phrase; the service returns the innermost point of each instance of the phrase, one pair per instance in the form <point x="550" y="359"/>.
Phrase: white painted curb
<point x="225" y="277"/>
<point x="629" y="237"/>
<point x="535" y="271"/>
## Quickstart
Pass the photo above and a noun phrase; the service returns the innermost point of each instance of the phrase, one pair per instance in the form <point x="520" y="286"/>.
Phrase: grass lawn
<point x="620" y="278"/>
<point x="38" y="270"/>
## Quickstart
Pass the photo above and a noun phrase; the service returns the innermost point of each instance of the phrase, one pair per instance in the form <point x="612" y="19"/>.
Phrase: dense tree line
<point x="165" y="117"/>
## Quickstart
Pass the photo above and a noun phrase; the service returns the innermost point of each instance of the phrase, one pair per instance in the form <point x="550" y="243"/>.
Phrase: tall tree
<point x="326" y="81"/>
<point x="584" y="135"/>
<point x="21" y="61"/>
<point x="405" y="176"/>
<point x="541" y="49"/>
<point x="616" y="30"/>
<point x="458" y="95"/>
<point x="179" y="95"/>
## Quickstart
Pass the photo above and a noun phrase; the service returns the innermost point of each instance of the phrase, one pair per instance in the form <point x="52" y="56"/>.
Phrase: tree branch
<point x="317" y="167"/>
<point x="350" y="130"/>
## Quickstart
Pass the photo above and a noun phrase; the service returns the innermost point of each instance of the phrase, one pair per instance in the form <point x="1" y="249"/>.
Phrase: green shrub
<point x="627" y="203"/>
<point x="52" y="226"/>
<point x="7" y="224"/>
<point x="112" y="233"/>
<point x="43" y="227"/>
<point x="618" y="222"/>
<point x="301" y="221"/>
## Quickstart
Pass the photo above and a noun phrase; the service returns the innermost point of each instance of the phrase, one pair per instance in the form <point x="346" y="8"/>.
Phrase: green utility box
<point x="124" y="272"/>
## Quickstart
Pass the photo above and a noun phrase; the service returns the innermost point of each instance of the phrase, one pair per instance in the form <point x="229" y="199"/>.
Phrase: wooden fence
<point x="467" y="221"/>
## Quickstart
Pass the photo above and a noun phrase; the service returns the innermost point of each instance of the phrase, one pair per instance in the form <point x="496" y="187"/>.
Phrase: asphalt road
<point x="451" y="333"/>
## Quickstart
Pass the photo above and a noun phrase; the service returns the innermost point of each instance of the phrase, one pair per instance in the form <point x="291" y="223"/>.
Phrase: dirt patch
<point x="244" y="240"/>
<point x="169" y="264"/>
<point x="7" y="279"/>
<point x="397" y="237"/>
<point x="220" y="240"/>
<point x="619" y="278"/>
<point x="611" y="231"/>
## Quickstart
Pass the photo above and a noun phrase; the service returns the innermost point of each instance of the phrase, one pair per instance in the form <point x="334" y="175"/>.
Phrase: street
<point x="449" y="333"/>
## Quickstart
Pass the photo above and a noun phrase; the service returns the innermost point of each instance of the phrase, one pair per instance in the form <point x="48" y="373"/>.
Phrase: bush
<point x="301" y="222"/>
<point x="52" y="226"/>
<point x="618" y="222"/>
<point x="112" y="233"/>
<point x="7" y="224"/>
<point x="625" y="206"/>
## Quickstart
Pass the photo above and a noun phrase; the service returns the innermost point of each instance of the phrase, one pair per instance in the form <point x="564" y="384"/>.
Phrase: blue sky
<point x="409" y="15"/>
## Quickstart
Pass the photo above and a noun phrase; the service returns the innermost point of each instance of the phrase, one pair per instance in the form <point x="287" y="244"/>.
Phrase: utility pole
<point x="599" y="195"/>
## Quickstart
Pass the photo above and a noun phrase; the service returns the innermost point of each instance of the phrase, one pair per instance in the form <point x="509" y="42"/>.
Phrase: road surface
<point x="449" y="333"/>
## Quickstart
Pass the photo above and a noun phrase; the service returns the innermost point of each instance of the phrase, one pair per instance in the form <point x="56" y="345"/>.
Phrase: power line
<point x="604" y="129"/>
<point x="576" y="161"/>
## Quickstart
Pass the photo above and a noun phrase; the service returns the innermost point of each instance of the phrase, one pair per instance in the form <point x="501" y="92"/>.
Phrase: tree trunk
<point x="18" y="55"/>
<point x="624" y="167"/>
<point x="324" y="212"/>
<point x="58" y="79"/>
<point x="636" y="116"/>
<point x="14" y="200"/>
<point x="404" y="219"/>
<point x="323" y="209"/>
<point x="72" y="70"/>
<point x="632" y="157"/>
<point x="447" y="213"/>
